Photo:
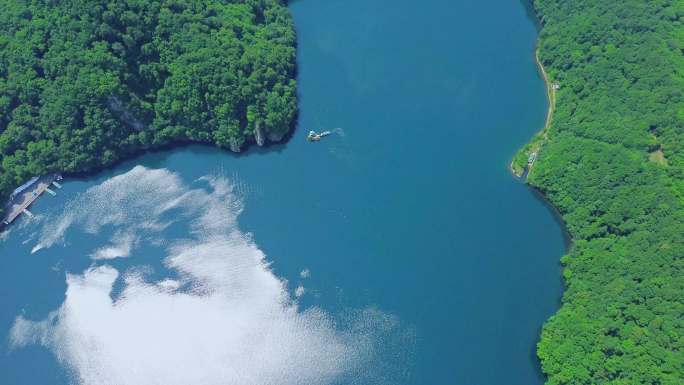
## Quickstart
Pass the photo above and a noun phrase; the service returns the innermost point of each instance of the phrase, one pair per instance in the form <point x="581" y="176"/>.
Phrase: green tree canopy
<point x="85" y="83"/>
<point x="613" y="165"/>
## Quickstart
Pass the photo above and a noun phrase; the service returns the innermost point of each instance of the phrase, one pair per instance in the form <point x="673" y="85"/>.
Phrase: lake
<point x="397" y="250"/>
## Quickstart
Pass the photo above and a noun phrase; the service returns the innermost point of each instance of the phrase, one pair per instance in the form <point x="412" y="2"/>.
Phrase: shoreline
<point x="550" y="94"/>
<point x="537" y="141"/>
<point x="251" y="147"/>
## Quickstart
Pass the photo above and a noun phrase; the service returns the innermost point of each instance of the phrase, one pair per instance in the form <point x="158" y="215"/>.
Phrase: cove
<point x="407" y="208"/>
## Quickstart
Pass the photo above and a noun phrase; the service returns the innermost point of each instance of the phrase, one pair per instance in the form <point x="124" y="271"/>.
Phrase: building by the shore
<point x="23" y="196"/>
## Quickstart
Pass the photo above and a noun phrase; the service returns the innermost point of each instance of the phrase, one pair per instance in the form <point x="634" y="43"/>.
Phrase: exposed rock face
<point x="234" y="145"/>
<point x="259" y="134"/>
<point x="276" y="135"/>
<point x="118" y="108"/>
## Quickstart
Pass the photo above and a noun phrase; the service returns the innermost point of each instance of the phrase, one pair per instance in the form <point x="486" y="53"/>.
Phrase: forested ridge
<point x="85" y="83"/>
<point x="613" y="165"/>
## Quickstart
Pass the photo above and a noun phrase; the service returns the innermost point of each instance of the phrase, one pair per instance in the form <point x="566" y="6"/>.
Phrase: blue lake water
<point x="405" y="250"/>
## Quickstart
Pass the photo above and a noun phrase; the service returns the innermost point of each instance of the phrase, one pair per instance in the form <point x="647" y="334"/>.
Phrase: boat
<point x="317" y="136"/>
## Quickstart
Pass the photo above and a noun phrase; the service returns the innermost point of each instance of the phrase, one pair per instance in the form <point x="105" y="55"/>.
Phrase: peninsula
<point x="84" y="84"/>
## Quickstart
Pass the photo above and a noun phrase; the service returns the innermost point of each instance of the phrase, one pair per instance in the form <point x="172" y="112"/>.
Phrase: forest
<point x="86" y="83"/>
<point x="613" y="165"/>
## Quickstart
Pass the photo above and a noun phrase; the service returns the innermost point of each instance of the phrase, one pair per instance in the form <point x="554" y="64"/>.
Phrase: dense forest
<point x="84" y="83"/>
<point x="613" y="164"/>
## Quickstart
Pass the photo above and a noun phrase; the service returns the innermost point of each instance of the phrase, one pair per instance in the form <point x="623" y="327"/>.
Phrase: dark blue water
<point x="407" y="208"/>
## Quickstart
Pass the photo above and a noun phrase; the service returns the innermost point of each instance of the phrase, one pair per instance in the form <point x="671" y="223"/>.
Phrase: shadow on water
<point x="567" y="242"/>
<point x="532" y="15"/>
<point x="157" y="156"/>
<point x="528" y="5"/>
<point x="534" y="359"/>
<point x="557" y="217"/>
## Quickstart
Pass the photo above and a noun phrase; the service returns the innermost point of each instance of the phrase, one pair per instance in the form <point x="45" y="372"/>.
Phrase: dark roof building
<point x="24" y="187"/>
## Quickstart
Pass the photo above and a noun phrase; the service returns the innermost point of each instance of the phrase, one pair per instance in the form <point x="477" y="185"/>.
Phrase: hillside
<point x="613" y="165"/>
<point x="85" y="83"/>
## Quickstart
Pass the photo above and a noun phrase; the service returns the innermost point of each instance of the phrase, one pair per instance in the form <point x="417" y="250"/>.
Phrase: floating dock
<point x="26" y="194"/>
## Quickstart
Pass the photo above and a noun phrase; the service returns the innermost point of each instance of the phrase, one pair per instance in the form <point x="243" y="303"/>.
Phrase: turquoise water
<point x="427" y="262"/>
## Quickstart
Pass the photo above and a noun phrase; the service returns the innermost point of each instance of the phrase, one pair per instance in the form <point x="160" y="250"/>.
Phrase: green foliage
<point x="520" y="161"/>
<point x="84" y="83"/>
<point x="621" y="68"/>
